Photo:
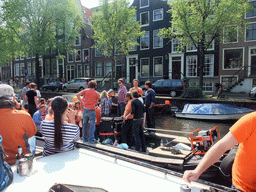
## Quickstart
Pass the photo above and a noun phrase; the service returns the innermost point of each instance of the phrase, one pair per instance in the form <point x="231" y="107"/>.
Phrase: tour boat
<point x="213" y="111"/>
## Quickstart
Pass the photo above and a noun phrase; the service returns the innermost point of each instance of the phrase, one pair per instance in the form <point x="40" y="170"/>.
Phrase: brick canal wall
<point x="178" y="102"/>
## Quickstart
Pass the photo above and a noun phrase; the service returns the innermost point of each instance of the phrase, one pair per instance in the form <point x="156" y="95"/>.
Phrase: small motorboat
<point x="213" y="111"/>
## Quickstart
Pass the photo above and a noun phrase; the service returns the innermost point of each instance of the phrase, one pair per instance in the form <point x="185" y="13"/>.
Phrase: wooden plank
<point x="134" y="154"/>
<point x="163" y="153"/>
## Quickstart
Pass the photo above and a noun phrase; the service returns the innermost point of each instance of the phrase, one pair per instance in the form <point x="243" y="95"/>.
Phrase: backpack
<point x="6" y="174"/>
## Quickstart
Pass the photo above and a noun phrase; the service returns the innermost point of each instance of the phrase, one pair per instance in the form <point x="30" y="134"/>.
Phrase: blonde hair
<point x="104" y="94"/>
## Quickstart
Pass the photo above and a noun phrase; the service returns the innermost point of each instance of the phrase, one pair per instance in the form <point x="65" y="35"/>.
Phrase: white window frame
<point x="224" y="41"/>
<point x="68" y="57"/>
<point x="17" y="69"/>
<point x="245" y="33"/>
<point x="144" y="6"/>
<point x="172" y="51"/>
<point x="223" y="58"/>
<point x="29" y="68"/>
<point x="212" y="66"/>
<point x="105" y="72"/>
<point x="154" y="14"/>
<point x="187" y="72"/>
<point x="148" y="67"/>
<point x="154" y="66"/>
<point x="193" y="50"/>
<point x="143" y="25"/>
<point x="161" y="39"/>
<point x="96" y="52"/>
<point x="246" y="13"/>
<point x="96" y="69"/>
<point x="84" y="55"/>
<point x="80" y="41"/>
<point x="204" y="86"/>
<point x="85" y="69"/>
<point x="76" y="54"/>
<point x="22" y="73"/>
<point x="148" y="40"/>
<point x="78" y="70"/>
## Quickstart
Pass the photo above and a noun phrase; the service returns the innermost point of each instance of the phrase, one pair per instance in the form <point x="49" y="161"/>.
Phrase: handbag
<point x="6" y="174"/>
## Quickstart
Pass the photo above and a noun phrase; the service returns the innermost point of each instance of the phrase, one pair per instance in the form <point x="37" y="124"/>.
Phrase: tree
<point x="115" y="29"/>
<point x="200" y="22"/>
<point x="43" y="24"/>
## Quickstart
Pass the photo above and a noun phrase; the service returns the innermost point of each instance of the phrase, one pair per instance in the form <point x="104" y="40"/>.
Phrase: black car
<point x="172" y="87"/>
<point x="54" y="86"/>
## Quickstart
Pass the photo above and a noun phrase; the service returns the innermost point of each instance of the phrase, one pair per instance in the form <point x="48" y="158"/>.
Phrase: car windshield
<point x="158" y="83"/>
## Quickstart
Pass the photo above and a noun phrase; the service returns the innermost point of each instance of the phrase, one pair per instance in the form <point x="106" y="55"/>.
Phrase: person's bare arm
<point x="152" y="105"/>
<point x="24" y="96"/>
<point x="78" y="95"/>
<point x="36" y="102"/>
<point x="215" y="152"/>
<point x="144" y="120"/>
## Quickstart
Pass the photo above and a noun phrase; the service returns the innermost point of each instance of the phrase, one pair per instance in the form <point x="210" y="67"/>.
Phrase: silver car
<point x="252" y="93"/>
<point x="77" y="84"/>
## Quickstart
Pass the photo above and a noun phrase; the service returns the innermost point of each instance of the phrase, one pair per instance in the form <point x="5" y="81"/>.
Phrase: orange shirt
<point x="140" y="91"/>
<point x="13" y="125"/>
<point x="91" y="98"/>
<point x="98" y="117"/>
<point x="244" y="167"/>
<point x="128" y="109"/>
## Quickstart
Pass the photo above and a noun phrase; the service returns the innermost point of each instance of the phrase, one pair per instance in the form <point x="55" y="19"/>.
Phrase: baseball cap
<point x="6" y="90"/>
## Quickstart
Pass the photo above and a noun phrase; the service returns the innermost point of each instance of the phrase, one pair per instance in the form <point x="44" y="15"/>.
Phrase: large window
<point x="98" y="52"/>
<point x="208" y="65"/>
<point x="208" y="86"/>
<point x="191" y="47"/>
<point x="192" y="66"/>
<point x="29" y="68"/>
<point x="86" y="56"/>
<point x="252" y="13"/>
<point x="176" y="45"/>
<point x="144" y="67"/>
<point x="158" y="66"/>
<point x="144" y="41"/>
<point x="158" y="41"/>
<point x="251" y="32"/>
<point x="86" y="70"/>
<point x="17" y="69"/>
<point x="158" y="14"/>
<point x="22" y="69"/>
<point x="144" y="3"/>
<point x="108" y="68"/>
<point x="230" y="34"/>
<point x="233" y="58"/>
<point x="78" y="41"/>
<point x="54" y="67"/>
<point x="79" y="71"/>
<point x="144" y="18"/>
<point x="78" y="56"/>
<point x="98" y="69"/>
<point x="70" y="57"/>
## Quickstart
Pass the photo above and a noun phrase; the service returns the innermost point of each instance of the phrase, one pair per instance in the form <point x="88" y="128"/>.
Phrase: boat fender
<point x="227" y="163"/>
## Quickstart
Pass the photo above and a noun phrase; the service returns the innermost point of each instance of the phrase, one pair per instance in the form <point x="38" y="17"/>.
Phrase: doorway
<point x="176" y="67"/>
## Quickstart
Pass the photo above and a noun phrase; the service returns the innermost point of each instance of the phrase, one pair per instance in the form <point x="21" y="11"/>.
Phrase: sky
<point x="91" y="3"/>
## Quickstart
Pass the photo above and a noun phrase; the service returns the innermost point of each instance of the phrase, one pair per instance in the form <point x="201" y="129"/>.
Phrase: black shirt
<point x="31" y="94"/>
<point x="137" y="109"/>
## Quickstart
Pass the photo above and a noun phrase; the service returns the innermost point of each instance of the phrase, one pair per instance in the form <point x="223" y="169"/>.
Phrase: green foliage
<point x="192" y="92"/>
<point x="115" y="28"/>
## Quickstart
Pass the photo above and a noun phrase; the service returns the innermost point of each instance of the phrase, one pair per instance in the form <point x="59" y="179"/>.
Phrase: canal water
<point x="168" y="122"/>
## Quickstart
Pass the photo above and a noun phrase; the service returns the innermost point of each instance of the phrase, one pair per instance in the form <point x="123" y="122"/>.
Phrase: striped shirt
<point x="70" y="133"/>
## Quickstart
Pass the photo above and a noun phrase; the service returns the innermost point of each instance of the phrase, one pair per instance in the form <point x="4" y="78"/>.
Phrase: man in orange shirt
<point x="140" y="91"/>
<point x="13" y="124"/>
<point x="89" y="102"/>
<point x="126" y="132"/>
<point x="244" y="167"/>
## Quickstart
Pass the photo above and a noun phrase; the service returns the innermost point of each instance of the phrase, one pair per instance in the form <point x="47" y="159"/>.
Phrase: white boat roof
<point x="86" y="168"/>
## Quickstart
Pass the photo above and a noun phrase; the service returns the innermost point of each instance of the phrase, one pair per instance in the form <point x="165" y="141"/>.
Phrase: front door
<point x="132" y="73"/>
<point x="253" y="61"/>
<point x="176" y="67"/>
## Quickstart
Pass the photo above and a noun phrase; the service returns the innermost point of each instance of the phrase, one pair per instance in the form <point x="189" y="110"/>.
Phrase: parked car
<point x="252" y="93"/>
<point x="77" y="84"/>
<point x="172" y="87"/>
<point x="54" y="86"/>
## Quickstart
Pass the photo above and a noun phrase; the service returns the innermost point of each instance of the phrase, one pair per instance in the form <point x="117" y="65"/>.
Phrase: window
<point x="33" y="67"/>
<point x="252" y="13"/>
<point x="78" y="56"/>
<point x="144" y="3"/>
<point x="108" y="68"/>
<point x="22" y="69"/>
<point x="144" y="41"/>
<point x="251" y="32"/>
<point x="98" y="52"/>
<point x="144" y="18"/>
<point x="158" y="66"/>
<point x="233" y="58"/>
<point x="17" y="69"/>
<point x="79" y="71"/>
<point x="98" y="69"/>
<point x="144" y="67"/>
<point x="86" y="70"/>
<point x="133" y="47"/>
<point x="192" y="66"/>
<point x="208" y="65"/>
<point x="54" y="67"/>
<point x="208" y="86"/>
<point x="191" y="47"/>
<point x="176" y="45"/>
<point x="29" y="68"/>
<point x="158" y="41"/>
<point x="230" y="34"/>
<point x="86" y="56"/>
<point x="78" y="41"/>
<point x="211" y="46"/>
<point x="158" y="14"/>
<point x="70" y="57"/>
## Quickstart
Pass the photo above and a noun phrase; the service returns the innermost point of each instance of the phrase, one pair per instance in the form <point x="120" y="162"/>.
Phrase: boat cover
<point x="214" y="108"/>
